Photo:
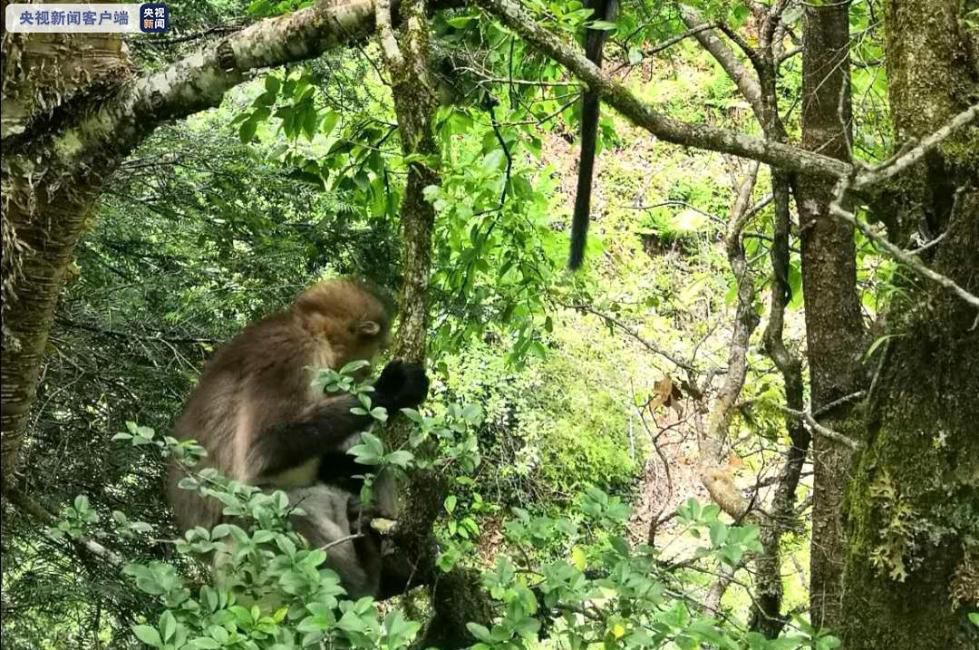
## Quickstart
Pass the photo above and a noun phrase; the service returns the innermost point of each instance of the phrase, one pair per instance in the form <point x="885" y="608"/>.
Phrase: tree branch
<point x="385" y="34"/>
<point x="649" y="345"/>
<point x="745" y="319"/>
<point x="28" y="505"/>
<point x="715" y="479"/>
<point x="744" y="79"/>
<point x="200" y="80"/>
<point x="837" y="210"/>
<point x="643" y="115"/>
<point x="904" y="160"/>
<point x="825" y="432"/>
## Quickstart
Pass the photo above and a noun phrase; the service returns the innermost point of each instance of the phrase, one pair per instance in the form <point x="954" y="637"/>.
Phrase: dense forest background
<point x="748" y="421"/>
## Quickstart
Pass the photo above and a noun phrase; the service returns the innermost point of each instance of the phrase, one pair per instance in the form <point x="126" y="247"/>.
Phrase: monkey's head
<point x="352" y="316"/>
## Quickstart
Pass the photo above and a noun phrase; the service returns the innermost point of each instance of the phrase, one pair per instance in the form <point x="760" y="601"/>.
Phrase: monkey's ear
<point x="367" y="328"/>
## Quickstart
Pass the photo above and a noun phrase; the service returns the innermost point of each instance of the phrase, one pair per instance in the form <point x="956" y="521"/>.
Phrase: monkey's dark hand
<point x="401" y="385"/>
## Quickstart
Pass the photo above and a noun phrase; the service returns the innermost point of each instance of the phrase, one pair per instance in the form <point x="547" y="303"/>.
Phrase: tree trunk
<point x="50" y="236"/>
<point x="834" y="332"/>
<point x="912" y="559"/>
<point x="44" y="206"/>
<point x="457" y="597"/>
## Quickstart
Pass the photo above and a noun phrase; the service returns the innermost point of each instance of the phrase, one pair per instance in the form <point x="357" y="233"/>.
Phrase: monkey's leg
<point x="327" y="524"/>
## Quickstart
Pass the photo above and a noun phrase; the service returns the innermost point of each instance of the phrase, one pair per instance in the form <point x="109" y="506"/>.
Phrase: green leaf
<point x="400" y="458"/>
<point x="148" y="635"/>
<point x="493" y="161"/>
<point x="718" y="533"/>
<point x="247" y="130"/>
<point x="460" y="21"/>
<point x="602" y="25"/>
<point x="480" y="633"/>
<point x="168" y="625"/>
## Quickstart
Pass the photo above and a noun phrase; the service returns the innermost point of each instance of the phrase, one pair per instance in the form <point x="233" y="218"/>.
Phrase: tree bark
<point x="912" y="560"/>
<point x="457" y="597"/>
<point x="834" y="330"/>
<point x="42" y="221"/>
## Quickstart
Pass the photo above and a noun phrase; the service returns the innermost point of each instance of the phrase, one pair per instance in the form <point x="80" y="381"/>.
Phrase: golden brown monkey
<point x="256" y="412"/>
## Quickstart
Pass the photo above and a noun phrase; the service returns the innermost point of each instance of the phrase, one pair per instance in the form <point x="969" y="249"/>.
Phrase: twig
<point x="341" y="540"/>
<point x="825" y="432"/>
<point x="891" y="168"/>
<point x="929" y="244"/>
<point x="652" y="347"/>
<point x="846" y="399"/>
<point x="670" y="42"/>
<point x="26" y="504"/>
<point x="506" y="152"/>
<point x="837" y="210"/>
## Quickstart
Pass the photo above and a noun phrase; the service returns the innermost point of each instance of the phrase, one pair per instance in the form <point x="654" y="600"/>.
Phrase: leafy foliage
<point x="299" y="175"/>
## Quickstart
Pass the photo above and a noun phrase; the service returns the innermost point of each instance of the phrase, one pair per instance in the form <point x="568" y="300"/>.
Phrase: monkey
<point x="262" y="422"/>
<point x="605" y="10"/>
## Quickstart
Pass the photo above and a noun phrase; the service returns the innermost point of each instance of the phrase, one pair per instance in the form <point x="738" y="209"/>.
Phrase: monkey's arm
<point x="325" y="426"/>
<point x="316" y="430"/>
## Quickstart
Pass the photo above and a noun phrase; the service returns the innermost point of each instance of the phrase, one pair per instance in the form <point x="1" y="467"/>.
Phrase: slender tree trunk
<point x="833" y="322"/>
<point x="457" y="597"/>
<point x="912" y="559"/>
<point x="766" y="615"/>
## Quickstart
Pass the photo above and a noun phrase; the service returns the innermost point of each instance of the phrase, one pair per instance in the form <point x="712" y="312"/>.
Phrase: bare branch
<point x="825" y="432"/>
<point x="910" y="157"/>
<point x="649" y="345"/>
<point x="745" y="321"/>
<point x="715" y="479"/>
<point x="670" y="42"/>
<point x="745" y="79"/>
<point x="837" y="210"/>
<point x="666" y="128"/>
